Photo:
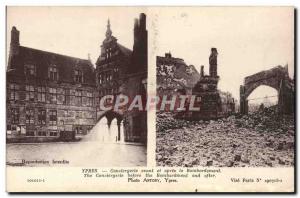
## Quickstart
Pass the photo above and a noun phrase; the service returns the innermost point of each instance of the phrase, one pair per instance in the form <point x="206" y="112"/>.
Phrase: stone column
<point x="119" y="132"/>
<point x="108" y="125"/>
<point x="242" y="100"/>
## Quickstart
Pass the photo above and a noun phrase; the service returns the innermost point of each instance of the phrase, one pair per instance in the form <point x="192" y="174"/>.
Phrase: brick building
<point x="111" y="65"/>
<point x="135" y="84"/>
<point x="56" y="97"/>
<point x="120" y="70"/>
<point x="49" y="96"/>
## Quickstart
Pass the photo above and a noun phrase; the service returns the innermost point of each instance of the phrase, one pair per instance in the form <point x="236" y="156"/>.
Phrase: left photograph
<point x="75" y="79"/>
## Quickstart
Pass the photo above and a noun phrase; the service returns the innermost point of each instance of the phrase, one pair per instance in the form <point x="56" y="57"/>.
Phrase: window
<point x="78" y="97"/>
<point x="29" y="93"/>
<point x="42" y="133"/>
<point x="107" y="77"/>
<point x="100" y="78"/>
<point x="29" y="116"/>
<point x="61" y="98"/>
<point x="52" y="95"/>
<point x="89" y="99"/>
<point x="14" y="95"/>
<point x="29" y="70"/>
<point x="30" y="133"/>
<point x="78" y="76"/>
<point x="78" y="130"/>
<point x="13" y="127"/>
<point x="108" y="53"/>
<point x="15" y="115"/>
<point x="198" y="99"/>
<point x="68" y="97"/>
<point x="78" y="114"/>
<point x="41" y="96"/>
<point x="42" y="116"/>
<point x="53" y="117"/>
<point x="53" y="73"/>
<point x="53" y="133"/>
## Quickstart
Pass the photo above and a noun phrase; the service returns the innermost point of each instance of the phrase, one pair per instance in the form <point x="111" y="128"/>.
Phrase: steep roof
<point x="44" y="59"/>
<point x="124" y="50"/>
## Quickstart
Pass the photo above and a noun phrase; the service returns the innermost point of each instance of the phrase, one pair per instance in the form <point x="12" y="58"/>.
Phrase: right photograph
<point x="225" y="86"/>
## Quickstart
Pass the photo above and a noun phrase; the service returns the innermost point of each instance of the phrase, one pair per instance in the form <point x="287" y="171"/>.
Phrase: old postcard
<point x="150" y="99"/>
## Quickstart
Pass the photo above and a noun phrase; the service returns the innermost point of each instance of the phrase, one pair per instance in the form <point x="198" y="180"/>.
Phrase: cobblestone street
<point x="78" y="154"/>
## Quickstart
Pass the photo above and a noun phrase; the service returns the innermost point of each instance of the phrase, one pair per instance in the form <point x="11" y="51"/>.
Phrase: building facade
<point x="49" y="96"/>
<point x="135" y="121"/>
<point x="52" y="97"/>
<point x="120" y="70"/>
<point x="111" y="65"/>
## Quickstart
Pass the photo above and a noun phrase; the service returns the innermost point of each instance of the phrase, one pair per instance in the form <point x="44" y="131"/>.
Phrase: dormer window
<point x="30" y="70"/>
<point x="78" y="76"/>
<point x="53" y="73"/>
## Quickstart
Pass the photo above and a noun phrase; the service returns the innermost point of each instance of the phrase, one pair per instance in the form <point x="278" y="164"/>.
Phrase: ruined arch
<point x="276" y="78"/>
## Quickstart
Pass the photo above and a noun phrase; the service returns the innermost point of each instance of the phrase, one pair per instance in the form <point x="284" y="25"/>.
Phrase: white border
<point x="3" y="4"/>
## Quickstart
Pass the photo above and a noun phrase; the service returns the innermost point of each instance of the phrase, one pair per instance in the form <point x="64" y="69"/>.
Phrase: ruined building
<point x="277" y="78"/>
<point x="174" y="74"/>
<point x="213" y="103"/>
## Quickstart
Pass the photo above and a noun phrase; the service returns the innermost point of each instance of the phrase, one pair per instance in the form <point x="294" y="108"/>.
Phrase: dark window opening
<point x="41" y="96"/>
<point x="29" y="70"/>
<point x="14" y="94"/>
<point x="78" y="76"/>
<point x="29" y="116"/>
<point x="53" y="73"/>
<point x="42" y="133"/>
<point x="42" y="116"/>
<point x="53" y="117"/>
<point x="53" y="95"/>
<point x="30" y="93"/>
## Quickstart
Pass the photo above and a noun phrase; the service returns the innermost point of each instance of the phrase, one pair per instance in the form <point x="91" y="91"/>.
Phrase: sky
<point x="73" y="31"/>
<point x="248" y="39"/>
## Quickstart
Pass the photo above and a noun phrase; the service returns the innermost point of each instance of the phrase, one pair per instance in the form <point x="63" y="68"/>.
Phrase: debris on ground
<point x="263" y="138"/>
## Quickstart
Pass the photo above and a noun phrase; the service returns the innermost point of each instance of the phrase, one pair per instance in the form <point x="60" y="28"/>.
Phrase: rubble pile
<point x="266" y="120"/>
<point x="261" y="139"/>
<point x="166" y="121"/>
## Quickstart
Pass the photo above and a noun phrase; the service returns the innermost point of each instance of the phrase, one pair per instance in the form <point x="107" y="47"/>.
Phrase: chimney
<point x="213" y="62"/>
<point x="14" y="42"/>
<point x="168" y="55"/>
<point x="140" y="49"/>
<point x="14" y="47"/>
<point x="142" y="21"/>
<point x="202" y="71"/>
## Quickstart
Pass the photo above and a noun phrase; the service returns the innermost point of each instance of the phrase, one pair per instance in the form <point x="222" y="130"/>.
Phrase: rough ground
<point x="261" y="139"/>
